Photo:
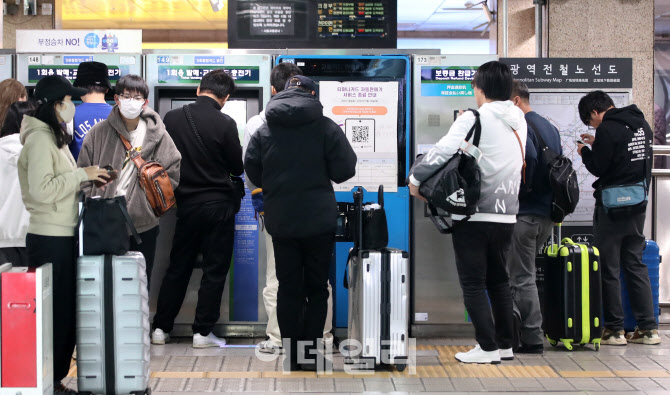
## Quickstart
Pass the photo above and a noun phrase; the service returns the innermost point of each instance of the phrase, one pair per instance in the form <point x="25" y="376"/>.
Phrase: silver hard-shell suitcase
<point x="378" y="282"/>
<point x="113" y="346"/>
<point x="112" y="324"/>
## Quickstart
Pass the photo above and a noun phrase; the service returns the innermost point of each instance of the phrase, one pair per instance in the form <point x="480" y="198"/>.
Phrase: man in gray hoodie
<point x="145" y="131"/>
<point x="480" y="243"/>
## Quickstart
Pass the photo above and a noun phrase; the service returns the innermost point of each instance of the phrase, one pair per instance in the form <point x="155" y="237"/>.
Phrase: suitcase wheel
<point x="400" y="367"/>
<point x="568" y="344"/>
<point x="552" y="341"/>
<point x="596" y="345"/>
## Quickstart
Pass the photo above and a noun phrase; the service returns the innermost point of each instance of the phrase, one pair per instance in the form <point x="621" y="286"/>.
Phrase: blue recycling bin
<point x="652" y="258"/>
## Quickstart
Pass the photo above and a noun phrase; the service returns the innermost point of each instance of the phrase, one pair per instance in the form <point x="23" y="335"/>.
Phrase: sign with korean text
<point x="570" y="73"/>
<point x="37" y="72"/>
<point x="193" y="74"/>
<point x="447" y="81"/>
<point x="79" y="41"/>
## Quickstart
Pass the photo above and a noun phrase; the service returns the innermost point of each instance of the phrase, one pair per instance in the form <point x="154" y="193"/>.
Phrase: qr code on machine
<point x="361" y="134"/>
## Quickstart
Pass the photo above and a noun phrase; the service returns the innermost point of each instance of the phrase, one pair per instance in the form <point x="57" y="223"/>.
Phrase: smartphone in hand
<point x="111" y="176"/>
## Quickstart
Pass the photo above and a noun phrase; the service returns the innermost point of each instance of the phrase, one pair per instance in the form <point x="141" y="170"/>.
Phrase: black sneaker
<point x="530" y="349"/>
<point x="59" y="388"/>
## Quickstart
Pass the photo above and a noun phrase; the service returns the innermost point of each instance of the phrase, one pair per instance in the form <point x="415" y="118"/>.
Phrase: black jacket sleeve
<point x="232" y="149"/>
<point x="253" y="163"/>
<point x="599" y="158"/>
<point x="341" y="158"/>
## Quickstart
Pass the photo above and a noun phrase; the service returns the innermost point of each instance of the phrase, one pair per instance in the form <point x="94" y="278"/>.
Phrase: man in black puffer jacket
<point x="295" y="157"/>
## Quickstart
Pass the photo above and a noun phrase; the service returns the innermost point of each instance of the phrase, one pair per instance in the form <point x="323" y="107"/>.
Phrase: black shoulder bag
<point x="456" y="186"/>
<point x="236" y="182"/>
<point x="105" y="227"/>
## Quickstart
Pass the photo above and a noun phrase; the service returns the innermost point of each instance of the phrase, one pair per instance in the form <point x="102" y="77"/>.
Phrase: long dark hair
<point x="46" y="112"/>
<point x="15" y="114"/>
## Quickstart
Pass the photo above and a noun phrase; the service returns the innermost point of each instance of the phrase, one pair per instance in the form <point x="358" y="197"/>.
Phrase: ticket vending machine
<point x="30" y="68"/>
<point x="441" y="88"/>
<point x="6" y="64"/>
<point x="369" y="97"/>
<point x="173" y="80"/>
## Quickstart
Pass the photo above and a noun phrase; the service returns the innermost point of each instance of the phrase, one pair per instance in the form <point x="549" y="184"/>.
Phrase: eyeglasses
<point x="126" y="97"/>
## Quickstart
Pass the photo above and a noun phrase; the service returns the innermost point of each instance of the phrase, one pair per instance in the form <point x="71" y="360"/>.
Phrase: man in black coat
<point x="620" y="155"/>
<point x="206" y="206"/>
<point x="295" y="157"/>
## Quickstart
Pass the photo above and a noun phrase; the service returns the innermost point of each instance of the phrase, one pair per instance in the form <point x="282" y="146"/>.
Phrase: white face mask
<point x="66" y="112"/>
<point x="131" y="109"/>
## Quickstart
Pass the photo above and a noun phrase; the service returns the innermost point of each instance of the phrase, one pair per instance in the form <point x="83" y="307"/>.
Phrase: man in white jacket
<point x="278" y="77"/>
<point x="15" y="217"/>
<point x="482" y="242"/>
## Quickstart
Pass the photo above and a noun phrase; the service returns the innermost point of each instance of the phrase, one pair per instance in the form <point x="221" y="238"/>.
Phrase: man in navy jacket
<point x="533" y="224"/>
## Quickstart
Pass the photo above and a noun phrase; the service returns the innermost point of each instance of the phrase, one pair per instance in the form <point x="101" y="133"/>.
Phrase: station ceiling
<point x="413" y="15"/>
<point x="142" y="14"/>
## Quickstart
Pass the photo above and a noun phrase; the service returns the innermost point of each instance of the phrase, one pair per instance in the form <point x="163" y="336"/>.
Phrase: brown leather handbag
<point x="154" y="180"/>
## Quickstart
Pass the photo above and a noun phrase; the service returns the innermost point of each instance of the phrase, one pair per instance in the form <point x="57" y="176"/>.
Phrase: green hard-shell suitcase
<point x="573" y="294"/>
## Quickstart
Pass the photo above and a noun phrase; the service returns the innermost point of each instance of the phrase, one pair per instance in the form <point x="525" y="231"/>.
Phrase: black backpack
<point x="562" y="180"/>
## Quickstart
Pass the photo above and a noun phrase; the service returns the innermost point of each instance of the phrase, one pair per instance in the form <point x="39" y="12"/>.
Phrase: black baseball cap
<point x="53" y="87"/>
<point x="92" y="73"/>
<point x="301" y="80"/>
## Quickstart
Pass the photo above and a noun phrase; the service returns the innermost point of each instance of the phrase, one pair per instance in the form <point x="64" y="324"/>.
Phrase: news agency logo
<point x="356" y="361"/>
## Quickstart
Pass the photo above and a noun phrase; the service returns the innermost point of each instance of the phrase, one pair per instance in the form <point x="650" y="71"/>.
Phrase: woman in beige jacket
<point x="50" y="181"/>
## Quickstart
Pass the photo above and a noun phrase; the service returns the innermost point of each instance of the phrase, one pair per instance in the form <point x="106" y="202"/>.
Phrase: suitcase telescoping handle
<point x="553" y="246"/>
<point x="358" y="237"/>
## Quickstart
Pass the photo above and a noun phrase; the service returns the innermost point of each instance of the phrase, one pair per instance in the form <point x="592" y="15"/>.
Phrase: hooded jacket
<point x="102" y="146"/>
<point x="501" y="162"/>
<point x="294" y="157"/>
<point x="49" y="181"/>
<point x="620" y="150"/>
<point x="15" y="217"/>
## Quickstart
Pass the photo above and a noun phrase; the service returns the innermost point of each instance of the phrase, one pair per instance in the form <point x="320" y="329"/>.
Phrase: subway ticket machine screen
<point x="312" y="24"/>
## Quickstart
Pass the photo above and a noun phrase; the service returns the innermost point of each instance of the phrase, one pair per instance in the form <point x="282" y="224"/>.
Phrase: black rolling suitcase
<point x="573" y="294"/>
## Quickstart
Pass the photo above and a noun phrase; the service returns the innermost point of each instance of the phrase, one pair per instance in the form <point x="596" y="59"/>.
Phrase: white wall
<point x="447" y="46"/>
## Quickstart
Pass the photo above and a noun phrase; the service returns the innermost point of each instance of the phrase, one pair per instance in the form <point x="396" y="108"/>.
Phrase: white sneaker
<point x="159" y="337"/>
<point x="328" y="341"/>
<point x="477" y="355"/>
<point x="506" y="354"/>
<point x="269" y="347"/>
<point x="200" y="341"/>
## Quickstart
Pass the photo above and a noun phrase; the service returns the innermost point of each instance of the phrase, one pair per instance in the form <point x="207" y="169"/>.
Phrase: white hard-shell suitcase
<point x="113" y="329"/>
<point x="112" y="325"/>
<point x="378" y="283"/>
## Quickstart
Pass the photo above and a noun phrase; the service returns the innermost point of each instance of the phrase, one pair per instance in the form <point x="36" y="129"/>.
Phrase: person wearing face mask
<point x="143" y="128"/>
<point x="50" y="183"/>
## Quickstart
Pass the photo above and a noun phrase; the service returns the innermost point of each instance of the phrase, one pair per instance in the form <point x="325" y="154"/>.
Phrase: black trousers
<point x="60" y="252"/>
<point x="481" y="249"/>
<point x="621" y="243"/>
<point x="210" y="229"/>
<point x="302" y="267"/>
<point x="17" y="256"/>
<point x="147" y="248"/>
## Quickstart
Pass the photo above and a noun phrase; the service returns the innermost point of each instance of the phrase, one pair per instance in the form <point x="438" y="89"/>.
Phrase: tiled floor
<point x="178" y="368"/>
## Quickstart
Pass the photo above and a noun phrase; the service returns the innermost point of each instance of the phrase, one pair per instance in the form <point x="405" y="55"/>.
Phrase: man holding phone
<point x="620" y="156"/>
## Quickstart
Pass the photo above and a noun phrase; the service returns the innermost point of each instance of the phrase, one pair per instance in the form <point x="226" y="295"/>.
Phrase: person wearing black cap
<point x="94" y="77"/>
<point x="295" y="157"/>
<point x="50" y="182"/>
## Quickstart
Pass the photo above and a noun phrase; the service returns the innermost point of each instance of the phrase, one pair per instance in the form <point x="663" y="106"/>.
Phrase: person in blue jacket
<point x="94" y="77"/>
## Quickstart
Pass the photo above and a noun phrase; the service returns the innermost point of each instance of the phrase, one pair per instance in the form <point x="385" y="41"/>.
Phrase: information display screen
<point x="312" y="24"/>
<point x="37" y="72"/>
<point x="270" y="19"/>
